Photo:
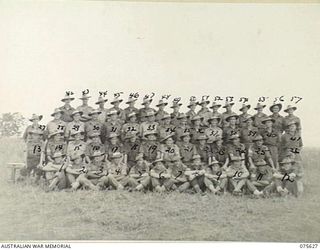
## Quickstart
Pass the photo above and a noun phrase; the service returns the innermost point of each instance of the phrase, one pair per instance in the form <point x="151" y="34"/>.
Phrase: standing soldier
<point x="139" y="174"/>
<point x="143" y="111"/>
<point x="116" y="107"/>
<point x="244" y="109"/>
<point x="203" y="149"/>
<point x="248" y="132"/>
<point x="272" y="138"/>
<point x="35" y="148"/>
<point x="75" y="124"/>
<point x="191" y="112"/>
<point x="85" y="108"/>
<point x="166" y="128"/>
<point x="150" y="124"/>
<point x="103" y="115"/>
<point x="213" y="131"/>
<point x="215" y="107"/>
<point x="204" y="112"/>
<point x="161" y="112"/>
<point x="291" y="117"/>
<point x="291" y="142"/>
<point x="56" y="124"/>
<point x="113" y="125"/>
<point x="150" y="148"/>
<point x="175" y="114"/>
<point x="232" y="127"/>
<point x="131" y="127"/>
<point x="56" y="144"/>
<point x="94" y="125"/>
<point x="67" y="109"/>
<point x="278" y="119"/>
<point x="259" y="116"/>
<point x="186" y="149"/>
<point x="34" y="126"/>
<point x="196" y="129"/>
<point x="131" y="148"/>
<point x="182" y="127"/>
<point x="131" y="108"/>
<point x="228" y="106"/>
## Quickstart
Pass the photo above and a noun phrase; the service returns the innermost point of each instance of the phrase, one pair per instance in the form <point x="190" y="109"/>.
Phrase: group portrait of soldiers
<point x="211" y="148"/>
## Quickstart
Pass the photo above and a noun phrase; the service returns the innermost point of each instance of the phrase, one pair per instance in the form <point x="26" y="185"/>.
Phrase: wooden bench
<point x="14" y="167"/>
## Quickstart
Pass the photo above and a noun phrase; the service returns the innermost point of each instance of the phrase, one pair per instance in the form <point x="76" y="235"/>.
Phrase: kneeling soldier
<point x="139" y="174"/>
<point x="55" y="171"/>
<point x="237" y="174"/>
<point x="160" y="177"/>
<point x="216" y="178"/>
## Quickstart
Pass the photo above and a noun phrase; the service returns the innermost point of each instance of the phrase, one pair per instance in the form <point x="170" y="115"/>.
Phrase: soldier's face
<point x="114" y="140"/>
<point x="286" y="166"/>
<point x="219" y="142"/>
<point x="77" y="160"/>
<point x="95" y="139"/>
<point x="95" y="116"/>
<point x="152" y="137"/>
<point x="193" y="107"/>
<point x="84" y="101"/>
<point x="57" y="137"/>
<point x="214" y="122"/>
<point x="140" y="162"/>
<point x="275" y="109"/>
<point x="35" y="121"/>
<point x="203" y="105"/>
<point x="166" y="121"/>
<point x="131" y="104"/>
<point x="236" y="141"/>
<point x="77" y="137"/>
<point x="147" y="105"/>
<point x="98" y="159"/>
<point x="161" y="107"/>
<point x="57" y="116"/>
<point x="260" y="110"/>
<point x="133" y="118"/>
<point x="116" y="160"/>
<point x="215" y="167"/>
<point x="290" y="111"/>
<point x="202" y="142"/>
<point x="133" y="139"/>
<point x="76" y="117"/>
<point x="245" y="110"/>
<point x="113" y="117"/>
<point x="58" y="160"/>
<point x="249" y="122"/>
<point x="151" y="118"/>
<point x="259" y="143"/>
<point x="67" y="102"/>
<point x="197" y="122"/>
<point x="197" y="161"/>
<point x="169" y="141"/>
<point x="229" y="108"/>
<point x="186" y="138"/>
<point x="269" y="124"/>
<point x="101" y="105"/>
<point x="116" y="104"/>
<point x="215" y="108"/>
<point x="292" y="128"/>
<point x="232" y="121"/>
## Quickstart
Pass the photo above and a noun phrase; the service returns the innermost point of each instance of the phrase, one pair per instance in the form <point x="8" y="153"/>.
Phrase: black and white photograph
<point x="159" y="122"/>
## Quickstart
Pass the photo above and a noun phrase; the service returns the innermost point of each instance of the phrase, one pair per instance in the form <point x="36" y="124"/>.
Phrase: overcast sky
<point x="182" y="49"/>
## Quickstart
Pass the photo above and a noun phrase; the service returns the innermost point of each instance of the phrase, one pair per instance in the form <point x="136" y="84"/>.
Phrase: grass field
<point x="28" y="213"/>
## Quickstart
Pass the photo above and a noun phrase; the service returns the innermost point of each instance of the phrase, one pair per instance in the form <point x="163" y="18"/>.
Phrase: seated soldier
<point x="166" y="128"/>
<point x="177" y="171"/>
<point x="288" y="178"/>
<point x="203" y="148"/>
<point x="216" y="179"/>
<point x="98" y="173"/>
<point x="118" y="170"/>
<point x="139" y="174"/>
<point x="220" y="153"/>
<point x="113" y="145"/>
<point x="55" y="144"/>
<point x="76" y="173"/>
<point x="186" y="149"/>
<point x="131" y="148"/>
<point x="260" y="178"/>
<point x="160" y="177"/>
<point x="150" y="147"/>
<point x="95" y="144"/>
<point x="168" y="150"/>
<point x="77" y="145"/>
<point x="237" y="175"/>
<point x="196" y="174"/>
<point x="54" y="172"/>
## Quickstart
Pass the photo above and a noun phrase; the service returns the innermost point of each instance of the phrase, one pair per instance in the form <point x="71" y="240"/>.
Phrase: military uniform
<point x="139" y="175"/>
<point x="160" y="177"/>
<point x="132" y="150"/>
<point x="187" y="150"/>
